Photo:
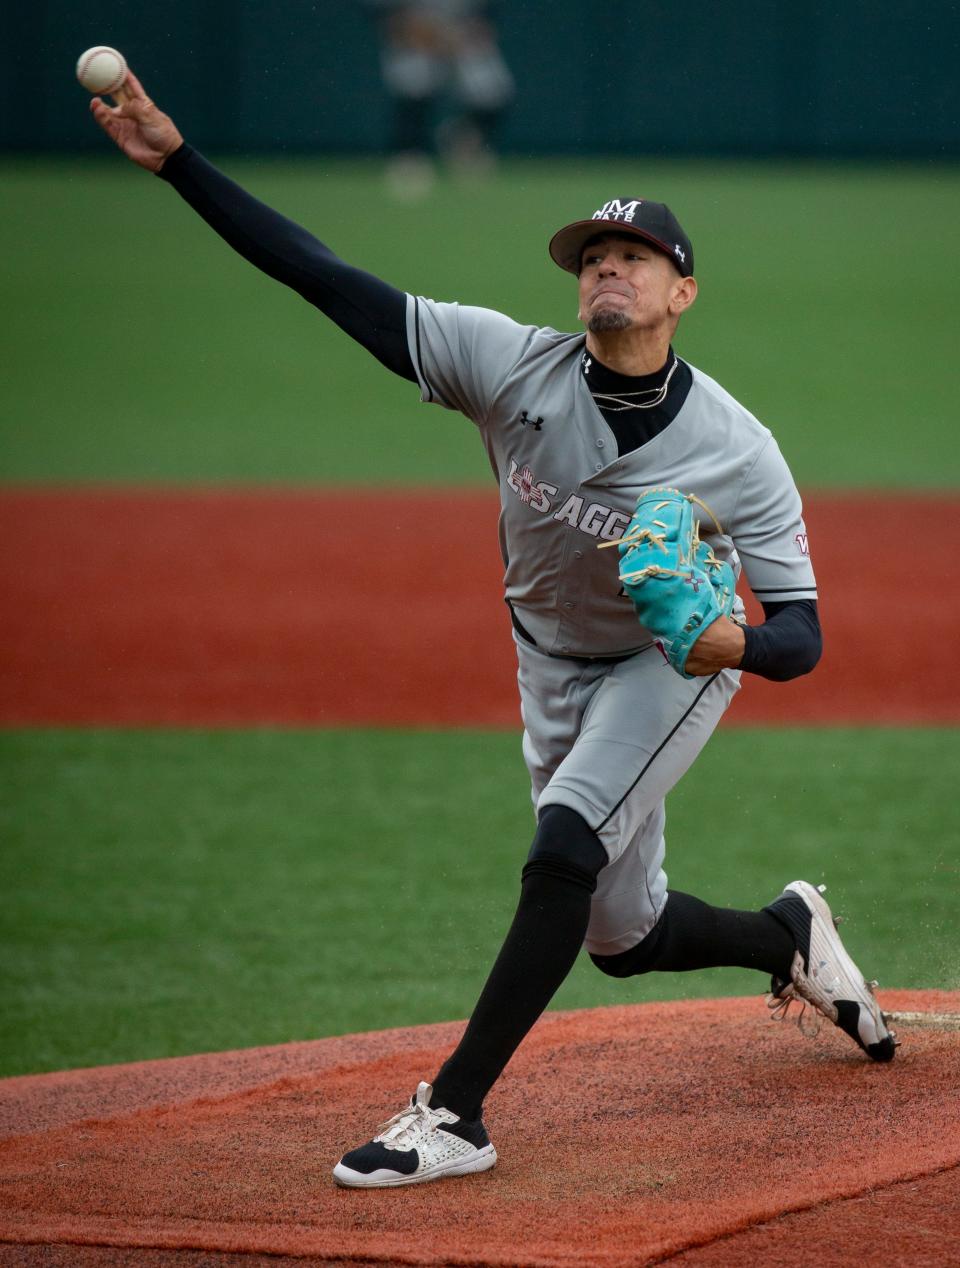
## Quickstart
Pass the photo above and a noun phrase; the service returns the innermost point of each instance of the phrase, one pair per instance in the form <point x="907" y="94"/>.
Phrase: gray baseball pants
<point x="609" y="740"/>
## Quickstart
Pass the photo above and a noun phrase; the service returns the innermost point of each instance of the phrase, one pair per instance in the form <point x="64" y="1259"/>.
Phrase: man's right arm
<point x="366" y="308"/>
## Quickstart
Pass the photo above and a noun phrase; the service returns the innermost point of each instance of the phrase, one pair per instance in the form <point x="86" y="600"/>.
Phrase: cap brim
<point x="566" y="245"/>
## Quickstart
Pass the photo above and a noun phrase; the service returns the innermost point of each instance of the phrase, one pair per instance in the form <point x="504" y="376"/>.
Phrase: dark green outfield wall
<point x="699" y="76"/>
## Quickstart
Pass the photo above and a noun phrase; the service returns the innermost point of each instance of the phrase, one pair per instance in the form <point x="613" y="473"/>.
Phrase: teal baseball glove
<point x="678" y="585"/>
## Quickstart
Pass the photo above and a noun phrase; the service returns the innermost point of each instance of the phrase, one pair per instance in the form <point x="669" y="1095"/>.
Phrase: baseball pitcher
<point x="636" y="497"/>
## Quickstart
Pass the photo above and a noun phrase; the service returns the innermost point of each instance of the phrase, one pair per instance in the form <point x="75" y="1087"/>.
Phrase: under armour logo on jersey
<point x="527" y="421"/>
<point x="616" y="210"/>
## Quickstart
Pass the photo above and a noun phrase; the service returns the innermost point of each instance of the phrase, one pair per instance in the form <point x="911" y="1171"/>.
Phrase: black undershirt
<point x="374" y="314"/>
<point x="634" y="427"/>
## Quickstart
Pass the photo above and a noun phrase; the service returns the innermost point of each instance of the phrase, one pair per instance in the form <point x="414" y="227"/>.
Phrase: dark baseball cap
<point x="654" y="222"/>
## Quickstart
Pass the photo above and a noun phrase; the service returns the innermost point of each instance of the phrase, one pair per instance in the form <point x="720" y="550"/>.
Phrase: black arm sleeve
<point x="788" y="643"/>
<point x="367" y="309"/>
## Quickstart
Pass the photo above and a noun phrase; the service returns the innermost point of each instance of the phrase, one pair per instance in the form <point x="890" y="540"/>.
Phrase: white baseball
<point x="101" y="69"/>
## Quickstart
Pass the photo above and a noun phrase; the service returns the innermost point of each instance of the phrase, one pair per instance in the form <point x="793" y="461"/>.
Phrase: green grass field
<point x="141" y="348"/>
<point x="169" y="892"/>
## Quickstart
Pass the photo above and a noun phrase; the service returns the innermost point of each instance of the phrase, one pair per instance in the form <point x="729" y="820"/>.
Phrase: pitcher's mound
<point x="626" y="1136"/>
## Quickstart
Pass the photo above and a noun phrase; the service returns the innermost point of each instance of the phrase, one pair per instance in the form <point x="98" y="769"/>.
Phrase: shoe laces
<point x="808" y="1019"/>
<point x="403" y="1129"/>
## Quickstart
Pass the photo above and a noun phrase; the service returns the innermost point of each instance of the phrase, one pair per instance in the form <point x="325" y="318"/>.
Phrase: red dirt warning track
<point x="626" y="1136"/>
<point x="335" y="607"/>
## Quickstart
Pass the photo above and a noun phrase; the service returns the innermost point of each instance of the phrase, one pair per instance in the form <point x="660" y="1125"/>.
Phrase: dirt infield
<point x="136" y="607"/>
<point x="698" y="1130"/>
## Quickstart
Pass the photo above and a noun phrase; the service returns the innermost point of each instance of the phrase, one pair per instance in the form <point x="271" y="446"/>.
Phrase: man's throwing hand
<point x="145" y="134"/>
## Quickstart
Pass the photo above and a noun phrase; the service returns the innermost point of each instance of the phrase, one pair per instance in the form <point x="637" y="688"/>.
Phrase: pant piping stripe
<point x="653" y="756"/>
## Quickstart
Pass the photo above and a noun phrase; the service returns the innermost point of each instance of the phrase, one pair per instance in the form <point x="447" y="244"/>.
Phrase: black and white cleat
<point x="823" y="974"/>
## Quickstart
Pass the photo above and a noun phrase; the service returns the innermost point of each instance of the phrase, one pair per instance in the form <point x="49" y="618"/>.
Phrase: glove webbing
<point x="638" y="535"/>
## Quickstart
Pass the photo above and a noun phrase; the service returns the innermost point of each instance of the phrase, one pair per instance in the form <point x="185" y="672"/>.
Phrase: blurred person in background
<point x="449" y="86"/>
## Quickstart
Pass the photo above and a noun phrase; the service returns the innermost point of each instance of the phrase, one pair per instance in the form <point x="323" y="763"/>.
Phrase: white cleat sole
<point x="482" y="1160"/>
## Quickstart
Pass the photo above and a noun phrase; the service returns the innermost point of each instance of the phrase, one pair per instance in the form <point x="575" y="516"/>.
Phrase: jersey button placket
<point x="568" y="629"/>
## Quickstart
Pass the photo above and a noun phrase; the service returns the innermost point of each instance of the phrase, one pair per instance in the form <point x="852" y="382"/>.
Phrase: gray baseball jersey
<point x="607" y="738"/>
<point x="564" y="489"/>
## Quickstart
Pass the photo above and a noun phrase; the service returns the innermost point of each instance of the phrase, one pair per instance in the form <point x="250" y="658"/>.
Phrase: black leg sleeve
<point x="538" y="953"/>
<point x="693" y="935"/>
